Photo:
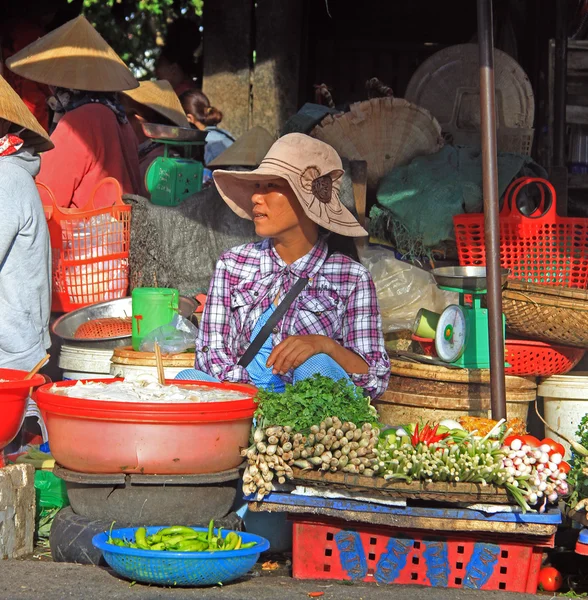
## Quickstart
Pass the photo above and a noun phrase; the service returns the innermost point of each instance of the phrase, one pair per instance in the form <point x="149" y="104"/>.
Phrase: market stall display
<point x="355" y="443"/>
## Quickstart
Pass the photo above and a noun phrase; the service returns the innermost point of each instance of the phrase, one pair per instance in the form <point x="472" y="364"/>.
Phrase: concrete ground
<point x="41" y="579"/>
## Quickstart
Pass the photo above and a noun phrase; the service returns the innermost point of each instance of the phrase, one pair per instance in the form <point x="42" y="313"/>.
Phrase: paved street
<point x="36" y="580"/>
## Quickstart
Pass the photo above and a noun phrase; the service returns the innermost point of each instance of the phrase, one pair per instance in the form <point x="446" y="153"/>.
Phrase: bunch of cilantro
<point x="310" y="401"/>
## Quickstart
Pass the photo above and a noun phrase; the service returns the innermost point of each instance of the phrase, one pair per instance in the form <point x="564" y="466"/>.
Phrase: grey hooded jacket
<point x="25" y="264"/>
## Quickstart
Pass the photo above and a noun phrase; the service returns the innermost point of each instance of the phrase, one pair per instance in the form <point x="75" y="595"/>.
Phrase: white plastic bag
<point x="402" y="289"/>
<point x="177" y="336"/>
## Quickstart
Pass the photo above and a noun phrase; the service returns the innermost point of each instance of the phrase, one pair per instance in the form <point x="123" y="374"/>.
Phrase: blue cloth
<point x="263" y="377"/>
<point x="217" y="141"/>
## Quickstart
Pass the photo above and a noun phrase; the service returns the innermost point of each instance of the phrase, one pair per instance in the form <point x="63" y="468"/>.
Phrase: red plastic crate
<point x="334" y="549"/>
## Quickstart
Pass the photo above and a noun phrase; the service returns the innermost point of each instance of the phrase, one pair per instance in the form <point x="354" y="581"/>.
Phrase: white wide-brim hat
<point x="312" y="168"/>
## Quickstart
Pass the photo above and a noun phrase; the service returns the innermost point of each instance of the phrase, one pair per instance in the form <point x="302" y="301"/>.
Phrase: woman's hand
<point x="295" y="350"/>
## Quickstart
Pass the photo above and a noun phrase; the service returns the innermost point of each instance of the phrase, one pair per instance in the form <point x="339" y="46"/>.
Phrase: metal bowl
<point x="173" y="132"/>
<point x="66" y="325"/>
<point x="465" y="278"/>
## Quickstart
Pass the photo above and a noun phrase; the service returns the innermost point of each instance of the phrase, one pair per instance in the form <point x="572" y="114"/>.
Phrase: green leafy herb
<point x="577" y="479"/>
<point x="310" y="401"/>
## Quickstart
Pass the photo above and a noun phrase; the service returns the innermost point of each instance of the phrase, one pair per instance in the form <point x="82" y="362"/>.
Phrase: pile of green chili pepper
<point x="179" y="538"/>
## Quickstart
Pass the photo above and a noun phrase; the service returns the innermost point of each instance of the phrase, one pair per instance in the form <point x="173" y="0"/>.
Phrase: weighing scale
<point x="170" y="180"/>
<point x="461" y="330"/>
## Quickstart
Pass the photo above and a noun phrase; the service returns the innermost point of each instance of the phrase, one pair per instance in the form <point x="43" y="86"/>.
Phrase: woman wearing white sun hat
<point x="331" y="321"/>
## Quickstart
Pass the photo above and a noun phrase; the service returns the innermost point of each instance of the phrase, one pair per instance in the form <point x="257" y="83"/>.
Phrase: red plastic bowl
<point x="13" y="401"/>
<point x="93" y="436"/>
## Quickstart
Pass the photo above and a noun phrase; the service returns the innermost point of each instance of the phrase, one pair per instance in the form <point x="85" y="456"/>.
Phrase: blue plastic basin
<point x="179" y="568"/>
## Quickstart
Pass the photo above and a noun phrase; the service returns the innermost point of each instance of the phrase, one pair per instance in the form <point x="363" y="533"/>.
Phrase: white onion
<point x="556" y="458"/>
<point x="544" y="457"/>
<point x="516" y="444"/>
<point x="545" y="448"/>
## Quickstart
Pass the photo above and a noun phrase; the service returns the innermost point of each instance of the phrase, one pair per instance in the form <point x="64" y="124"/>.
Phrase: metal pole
<point x="491" y="199"/>
<point x="559" y="88"/>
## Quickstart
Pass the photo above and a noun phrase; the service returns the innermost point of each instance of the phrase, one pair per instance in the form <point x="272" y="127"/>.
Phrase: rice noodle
<point x="146" y="389"/>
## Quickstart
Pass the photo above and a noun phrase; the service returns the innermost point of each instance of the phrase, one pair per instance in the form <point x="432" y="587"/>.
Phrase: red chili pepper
<point x="415" y="436"/>
<point x="425" y="433"/>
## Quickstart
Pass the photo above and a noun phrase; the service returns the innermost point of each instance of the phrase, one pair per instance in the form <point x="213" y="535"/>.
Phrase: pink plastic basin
<point x="92" y="436"/>
<point x="13" y="401"/>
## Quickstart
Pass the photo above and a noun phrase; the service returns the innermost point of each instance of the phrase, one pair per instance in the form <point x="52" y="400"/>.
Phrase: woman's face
<point x="172" y="72"/>
<point x="276" y="210"/>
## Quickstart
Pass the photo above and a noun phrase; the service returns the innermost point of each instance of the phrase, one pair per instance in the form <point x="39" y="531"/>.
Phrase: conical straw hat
<point x="160" y="96"/>
<point x="73" y="56"/>
<point x="13" y="109"/>
<point x="247" y="151"/>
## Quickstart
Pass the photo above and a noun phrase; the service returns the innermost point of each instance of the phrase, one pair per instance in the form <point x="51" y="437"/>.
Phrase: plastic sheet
<point x="177" y="336"/>
<point x="402" y="289"/>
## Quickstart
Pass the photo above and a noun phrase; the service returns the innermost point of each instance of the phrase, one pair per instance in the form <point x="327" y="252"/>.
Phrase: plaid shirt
<point x="339" y="301"/>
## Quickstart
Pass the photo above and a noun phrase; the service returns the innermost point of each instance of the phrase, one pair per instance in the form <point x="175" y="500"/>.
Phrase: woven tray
<point x="558" y="315"/>
<point x="418" y="490"/>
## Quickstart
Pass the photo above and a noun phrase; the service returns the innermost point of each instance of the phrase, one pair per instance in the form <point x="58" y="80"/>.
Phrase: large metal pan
<point x="465" y="278"/>
<point x="173" y="132"/>
<point x="66" y="325"/>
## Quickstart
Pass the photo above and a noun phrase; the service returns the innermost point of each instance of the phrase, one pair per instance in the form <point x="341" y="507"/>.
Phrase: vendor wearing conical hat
<point x="93" y="138"/>
<point x="25" y="251"/>
<point x="152" y="102"/>
<point x="333" y="327"/>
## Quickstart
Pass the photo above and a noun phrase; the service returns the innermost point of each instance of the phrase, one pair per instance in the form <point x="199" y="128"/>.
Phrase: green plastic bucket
<point x="152" y="308"/>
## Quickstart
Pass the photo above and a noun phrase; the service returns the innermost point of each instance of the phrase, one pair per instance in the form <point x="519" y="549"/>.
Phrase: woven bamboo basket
<point x="552" y="314"/>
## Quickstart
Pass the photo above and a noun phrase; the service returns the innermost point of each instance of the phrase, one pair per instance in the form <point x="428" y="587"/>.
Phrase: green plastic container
<point x="152" y="308"/>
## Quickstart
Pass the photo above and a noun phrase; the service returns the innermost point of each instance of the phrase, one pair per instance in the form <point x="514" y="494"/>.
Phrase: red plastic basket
<point x="539" y="359"/>
<point x="334" y="549"/>
<point x="541" y="248"/>
<point x="529" y="358"/>
<point x="89" y="247"/>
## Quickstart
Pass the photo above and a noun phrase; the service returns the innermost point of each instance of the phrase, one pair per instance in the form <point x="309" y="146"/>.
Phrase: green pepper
<point x="210" y="530"/>
<point x="248" y="545"/>
<point x="175" y="530"/>
<point x="154" y="539"/>
<point x="174" y="539"/>
<point x="192" y="546"/>
<point x="117" y="542"/>
<point x="231" y="541"/>
<point x="141" y="538"/>
<point x="110" y="532"/>
<point x="158" y="546"/>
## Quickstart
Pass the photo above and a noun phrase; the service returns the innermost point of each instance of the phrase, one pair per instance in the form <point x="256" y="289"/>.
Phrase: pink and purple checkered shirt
<point x="339" y="301"/>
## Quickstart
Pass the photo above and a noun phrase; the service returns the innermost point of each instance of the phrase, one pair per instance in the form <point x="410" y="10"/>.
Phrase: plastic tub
<point x="565" y="402"/>
<point x="13" y="402"/>
<point x="92" y="436"/>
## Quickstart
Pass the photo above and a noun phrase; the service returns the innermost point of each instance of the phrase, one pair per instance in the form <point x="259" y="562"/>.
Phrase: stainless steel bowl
<point x="66" y="325"/>
<point x="465" y="278"/>
<point x="173" y="132"/>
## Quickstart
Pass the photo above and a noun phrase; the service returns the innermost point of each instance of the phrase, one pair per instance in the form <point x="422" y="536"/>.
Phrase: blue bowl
<point x="179" y="568"/>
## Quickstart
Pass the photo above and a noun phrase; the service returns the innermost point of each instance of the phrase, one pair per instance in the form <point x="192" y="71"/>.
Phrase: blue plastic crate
<point x="179" y="568"/>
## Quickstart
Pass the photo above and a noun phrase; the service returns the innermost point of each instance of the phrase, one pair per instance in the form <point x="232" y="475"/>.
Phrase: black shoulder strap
<point x="280" y="311"/>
